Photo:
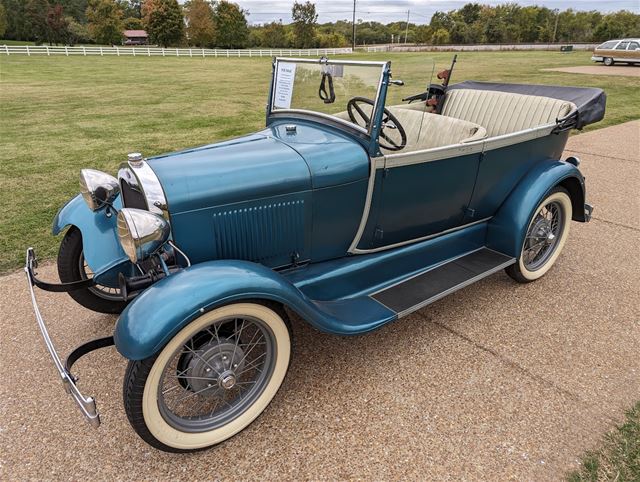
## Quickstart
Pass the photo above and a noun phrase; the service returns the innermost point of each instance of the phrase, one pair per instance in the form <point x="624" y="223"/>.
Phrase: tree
<point x="36" y="19"/>
<point x="163" y="21"/>
<point x="57" y="25"/>
<point x="230" y="24"/>
<point x="76" y="32"/>
<point x="274" y="35"/>
<point x="105" y="21"/>
<point x="3" y="20"/>
<point x="304" y="24"/>
<point x="133" y="23"/>
<point x="440" y="36"/>
<point x="200" y="28"/>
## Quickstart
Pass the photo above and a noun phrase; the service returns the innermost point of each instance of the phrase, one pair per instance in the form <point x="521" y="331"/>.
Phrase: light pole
<point x="555" y="29"/>
<point x="406" y="30"/>
<point x="353" y="33"/>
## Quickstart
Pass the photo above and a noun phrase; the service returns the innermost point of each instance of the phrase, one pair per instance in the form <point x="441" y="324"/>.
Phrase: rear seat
<point x="504" y="112"/>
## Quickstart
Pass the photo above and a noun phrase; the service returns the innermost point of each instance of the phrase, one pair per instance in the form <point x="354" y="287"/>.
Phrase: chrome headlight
<point x="141" y="233"/>
<point x="98" y="188"/>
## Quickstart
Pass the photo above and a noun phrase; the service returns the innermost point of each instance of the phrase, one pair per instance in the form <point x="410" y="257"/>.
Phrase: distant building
<point x="135" y="37"/>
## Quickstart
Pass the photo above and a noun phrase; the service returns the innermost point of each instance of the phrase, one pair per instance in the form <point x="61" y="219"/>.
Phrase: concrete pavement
<point x="498" y="381"/>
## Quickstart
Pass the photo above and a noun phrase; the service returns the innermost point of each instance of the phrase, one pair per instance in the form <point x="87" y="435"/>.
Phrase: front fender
<point x="164" y="308"/>
<point x="100" y="244"/>
<point x="507" y="229"/>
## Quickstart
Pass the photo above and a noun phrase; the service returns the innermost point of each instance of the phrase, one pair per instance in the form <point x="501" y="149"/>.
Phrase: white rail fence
<point x="164" y="52"/>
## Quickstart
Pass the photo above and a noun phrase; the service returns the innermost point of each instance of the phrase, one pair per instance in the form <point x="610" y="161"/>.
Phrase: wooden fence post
<point x="101" y="53"/>
<point x="66" y="51"/>
<point x="48" y="54"/>
<point x="6" y="47"/>
<point x="84" y="51"/>
<point x="28" y="53"/>
<point x="148" y="52"/>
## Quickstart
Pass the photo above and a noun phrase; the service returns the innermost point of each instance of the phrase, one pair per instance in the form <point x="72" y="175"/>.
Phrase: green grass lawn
<point x="619" y="456"/>
<point x="59" y="114"/>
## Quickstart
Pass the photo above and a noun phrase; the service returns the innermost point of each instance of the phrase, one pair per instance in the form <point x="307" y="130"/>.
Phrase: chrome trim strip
<point x="373" y="167"/>
<point x="87" y="405"/>
<point x="416" y="240"/>
<point x="455" y="288"/>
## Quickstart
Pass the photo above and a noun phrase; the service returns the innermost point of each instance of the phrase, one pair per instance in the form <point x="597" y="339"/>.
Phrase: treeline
<point x="204" y="23"/>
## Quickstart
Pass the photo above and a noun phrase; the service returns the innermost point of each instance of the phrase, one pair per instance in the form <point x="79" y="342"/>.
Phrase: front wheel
<point x="608" y="61"/>
<point x="546" y="235"/>
<point x="211" y="380"/>
<point x="73" y="267"/>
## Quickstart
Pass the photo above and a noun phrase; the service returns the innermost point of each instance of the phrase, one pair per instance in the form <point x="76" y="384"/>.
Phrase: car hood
<point x="269" y="163"/>
<point x="249" y="167"/>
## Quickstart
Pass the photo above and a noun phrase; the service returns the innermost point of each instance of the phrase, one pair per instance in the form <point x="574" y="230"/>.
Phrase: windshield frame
<point x="372" y="131"/>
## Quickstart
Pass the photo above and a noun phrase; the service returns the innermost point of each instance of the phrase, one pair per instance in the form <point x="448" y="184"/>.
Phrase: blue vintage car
<point x="351" y="208"/>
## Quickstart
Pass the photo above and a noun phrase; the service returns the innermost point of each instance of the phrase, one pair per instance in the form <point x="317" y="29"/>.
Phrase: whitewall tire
<point x="547" y="233"/>
<point x="211" y="380"/>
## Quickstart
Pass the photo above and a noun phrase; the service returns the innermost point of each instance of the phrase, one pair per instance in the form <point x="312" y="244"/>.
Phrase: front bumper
<point x="86" y="404"/>
<point x="596" y="58"/>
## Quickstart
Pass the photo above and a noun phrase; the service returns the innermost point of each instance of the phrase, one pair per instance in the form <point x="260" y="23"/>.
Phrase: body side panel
<point x="502" y="168"/>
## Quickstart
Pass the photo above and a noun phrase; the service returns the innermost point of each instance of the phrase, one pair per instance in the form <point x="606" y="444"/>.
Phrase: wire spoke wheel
<point x="212" y="379"/>
<point x="104" y="292"/>
<point x="543" y="235"/>
<point x="217" y="374"/>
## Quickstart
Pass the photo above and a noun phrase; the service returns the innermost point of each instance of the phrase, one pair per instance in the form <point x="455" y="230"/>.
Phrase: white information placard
<point x="284" y="85"/>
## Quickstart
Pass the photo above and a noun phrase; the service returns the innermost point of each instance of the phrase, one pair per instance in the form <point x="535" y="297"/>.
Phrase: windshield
<point x="323" y="87"/>
<point x="349" y="91"/>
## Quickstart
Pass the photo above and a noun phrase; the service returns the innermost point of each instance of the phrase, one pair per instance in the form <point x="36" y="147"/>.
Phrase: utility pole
<point x="354" y="26"/>
<point x="555" y="29"/>
<point x="406" y="31"/>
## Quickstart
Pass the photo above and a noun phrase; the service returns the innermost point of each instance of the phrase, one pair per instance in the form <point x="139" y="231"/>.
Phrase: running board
<point x="419" y="291"/>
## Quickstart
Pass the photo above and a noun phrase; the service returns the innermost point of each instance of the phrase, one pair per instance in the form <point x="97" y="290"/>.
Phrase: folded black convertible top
<point x="589" y="100"/>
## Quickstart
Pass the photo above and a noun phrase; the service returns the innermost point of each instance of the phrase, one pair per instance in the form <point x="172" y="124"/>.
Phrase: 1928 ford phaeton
<point x="347" y="209"/>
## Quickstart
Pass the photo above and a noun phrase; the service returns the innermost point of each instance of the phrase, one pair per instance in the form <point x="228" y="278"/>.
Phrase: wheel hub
<point x="543" y="231"/>
<point x="215" y="367"/>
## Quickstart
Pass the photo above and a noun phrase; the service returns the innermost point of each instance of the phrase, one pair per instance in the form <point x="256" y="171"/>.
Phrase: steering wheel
<point x="389" y="121"/>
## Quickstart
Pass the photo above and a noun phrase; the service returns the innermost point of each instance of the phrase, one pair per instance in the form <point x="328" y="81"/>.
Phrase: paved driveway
<point x="496" y="381"/>
<point x="599" y="69"/>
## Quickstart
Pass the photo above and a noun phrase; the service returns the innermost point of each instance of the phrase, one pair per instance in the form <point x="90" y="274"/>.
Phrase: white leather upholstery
<point x="504" y="112"/>
<point x="426" y="131"/>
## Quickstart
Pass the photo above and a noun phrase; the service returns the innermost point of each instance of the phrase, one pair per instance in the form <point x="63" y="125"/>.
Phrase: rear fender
<point x="100" y="244"/>
<point x="507" y="229"/>
<point x="164" y="308"/>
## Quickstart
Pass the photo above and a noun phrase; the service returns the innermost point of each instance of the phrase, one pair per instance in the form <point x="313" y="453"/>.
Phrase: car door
<point x="633" y="52"/>
<point x="418" y="195"/>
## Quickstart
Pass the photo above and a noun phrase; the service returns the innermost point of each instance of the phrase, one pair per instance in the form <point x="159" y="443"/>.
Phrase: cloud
<point x="386" y="11"/>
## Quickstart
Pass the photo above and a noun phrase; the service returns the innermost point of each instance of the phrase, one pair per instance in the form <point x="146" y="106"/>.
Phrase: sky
<point x="385" y="11"/>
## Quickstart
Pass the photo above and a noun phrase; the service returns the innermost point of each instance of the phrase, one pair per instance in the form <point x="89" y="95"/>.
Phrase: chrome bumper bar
<point x="588" y="211"/>
<point x="86" y="404"/>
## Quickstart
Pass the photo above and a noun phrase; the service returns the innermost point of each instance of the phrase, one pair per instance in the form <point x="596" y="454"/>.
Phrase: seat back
<point x="427" y="131"/>
<point x="504" y="112"/>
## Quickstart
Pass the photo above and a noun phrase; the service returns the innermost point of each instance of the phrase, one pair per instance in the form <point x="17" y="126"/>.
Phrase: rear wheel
<point x="73" y="267"/>
<point x="608" y="61"/>
<point x="211" y="380"/>
<point x="546" y="235"/>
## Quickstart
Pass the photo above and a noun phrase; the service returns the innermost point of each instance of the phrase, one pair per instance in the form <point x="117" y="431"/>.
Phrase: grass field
<point x="61" y="114"/>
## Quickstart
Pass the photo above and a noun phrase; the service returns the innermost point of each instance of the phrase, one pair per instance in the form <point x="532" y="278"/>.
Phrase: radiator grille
<point x="261" y="233"/>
